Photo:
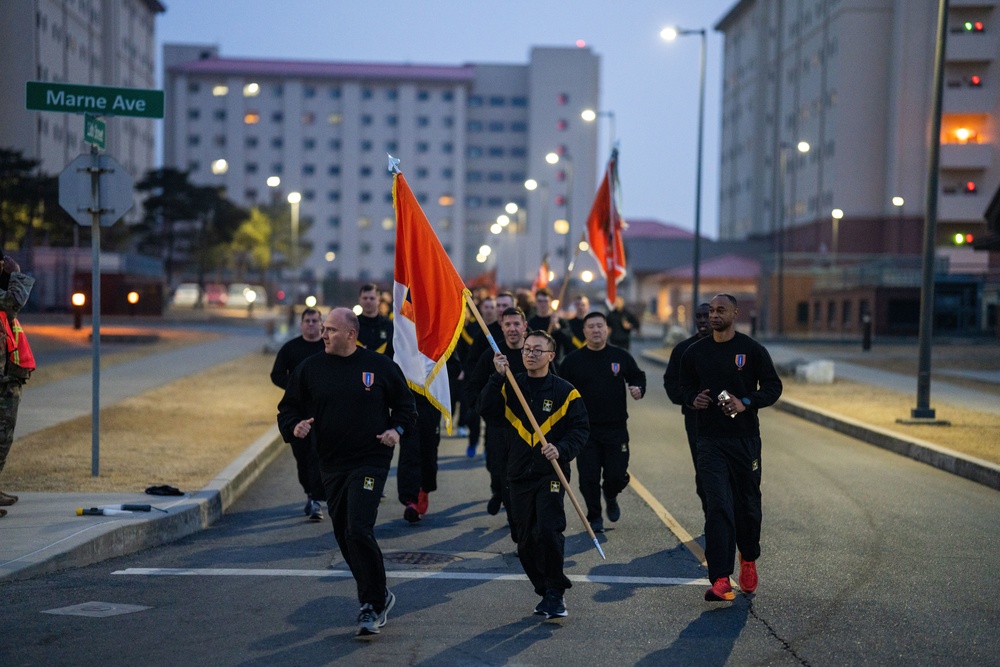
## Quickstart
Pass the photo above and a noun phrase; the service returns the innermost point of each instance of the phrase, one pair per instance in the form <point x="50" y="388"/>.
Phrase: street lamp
<point x="783" y="147"/>
<point x="531" y="185"/>
<point x="294" y="198"/>
<point x="836" y="214"/>
<point x="553" y="159"/>
<point x="589" y="116"/>
<point x="669" y="34"/>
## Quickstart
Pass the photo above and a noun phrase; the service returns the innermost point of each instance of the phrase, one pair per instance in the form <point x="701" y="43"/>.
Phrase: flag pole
<point x="565" y="282"/>
<point x="535" y="426"/>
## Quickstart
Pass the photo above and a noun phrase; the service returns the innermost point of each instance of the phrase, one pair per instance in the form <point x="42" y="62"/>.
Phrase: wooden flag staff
<point x="565" y="281"/>
<point x="535" y="426"/>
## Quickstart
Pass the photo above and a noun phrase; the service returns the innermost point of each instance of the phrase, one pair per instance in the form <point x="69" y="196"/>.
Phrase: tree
<point x="252" y="243"/>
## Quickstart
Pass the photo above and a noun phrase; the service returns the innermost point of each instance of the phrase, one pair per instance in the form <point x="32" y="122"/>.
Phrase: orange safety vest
<point x="20" y="359"/>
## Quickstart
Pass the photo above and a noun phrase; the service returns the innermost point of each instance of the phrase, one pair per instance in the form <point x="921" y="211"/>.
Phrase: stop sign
<point x="114" y="189"/>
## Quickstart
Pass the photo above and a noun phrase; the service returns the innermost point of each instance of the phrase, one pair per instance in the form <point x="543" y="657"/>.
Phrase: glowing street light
<point x="273" y="181"/>
<point x="531" y="184"/>
<point x="511" y="208"/>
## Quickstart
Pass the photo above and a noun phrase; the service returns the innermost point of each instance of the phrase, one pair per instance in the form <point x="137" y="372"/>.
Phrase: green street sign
<point x="94" y="130"/>
<point x="65" y="97"/>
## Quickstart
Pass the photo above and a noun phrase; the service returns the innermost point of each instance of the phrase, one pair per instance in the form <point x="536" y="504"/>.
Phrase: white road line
<point x="412" y="574"/>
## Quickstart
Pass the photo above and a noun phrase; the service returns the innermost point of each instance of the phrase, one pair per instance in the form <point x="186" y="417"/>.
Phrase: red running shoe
<point x="748" y="575"/>
<point x="720" y="591"/>
<point x="423" y="502"/>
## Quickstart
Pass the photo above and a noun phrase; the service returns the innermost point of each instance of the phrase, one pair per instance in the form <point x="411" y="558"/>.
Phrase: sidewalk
<point x="43" y="535"/>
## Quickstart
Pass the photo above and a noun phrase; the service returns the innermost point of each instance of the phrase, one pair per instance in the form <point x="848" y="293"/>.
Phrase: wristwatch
<point x="399" y="430"/>
<point x="745" y="401"/>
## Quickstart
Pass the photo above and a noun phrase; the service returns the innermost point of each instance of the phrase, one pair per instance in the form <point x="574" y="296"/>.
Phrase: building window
<point x="277" y="168"/>
<point x="391" y="146"/>
<point x="333" y="195"/>
<point x="366" y="146"/>
<point x="391" y="94"/>
<point x="335" y="119"/>
<point x="278" y="90"/>
<point x="392" y="120"/>
<point x="251" y="142"/>
<point x="194" y="140"/>
<point x="365" y="172"/>
<point x="845" y="313"/>
<point x="422" y="172"/>
<point x="423" y="121"/>
<point x="220" y="90"/>
<point x="831" y="312"/>
<point x="309" y="195"/>
<point x="251" y="118"/>
<point x="562" y="99"/>
<point x="496" y="126"/>
<point x="308" y="169"/>
<point x="277" y="117"/>
<point x="251" y="167"/>
<point x="474" y="177"/>
<point x="334" y="144"/>
<point x="448" y="121"/>
<point x="250" y="194"/>
<point x="423" y="95"/>
<point x="518" y="126"/>
<point x="447" y="148"/>
<point x="366" y="119"/>
<point x="448" y="96"/>
<point x="496" y="151"/>
<point x="334" y="170"/>
<point x="334" y="221"/>
<point x="367" y="94"/>
<point x="422" y="147"/>
<point x="308" y="144"/>
<point x="519" y="101"/>
<point x="219" y="140"/>
<point x="335" y="93"/>
<point x="473" y="202"/>
<point x="251" y="90"/>
<point x="517" y="151"/>
<point x="309" y="91"/>
<point x="365" y="197"/>
<point x="447" y="173"/>
<point x="562" y="124"/>
<point x="308" y="118"/>
<point x="475" y="101"/>
<point x="497" y="100"/>
<point x="219" y="114"/>
<point x="495" y="177"/>
<point x="802" y="313"/>
<point x="277" y="142"/>
<point x="390" y="248"/>
<point x="474" y="126"/>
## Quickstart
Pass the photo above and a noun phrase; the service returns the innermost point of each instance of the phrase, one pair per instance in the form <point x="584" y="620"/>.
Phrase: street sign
<point x="114" y="189"/>
<point x="94" y="130"/>
<point x="46" y="96"/>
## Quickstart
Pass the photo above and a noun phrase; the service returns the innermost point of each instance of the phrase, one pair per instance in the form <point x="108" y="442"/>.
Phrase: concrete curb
<point x="123" y="536"/>
<point x="969" y="467"/>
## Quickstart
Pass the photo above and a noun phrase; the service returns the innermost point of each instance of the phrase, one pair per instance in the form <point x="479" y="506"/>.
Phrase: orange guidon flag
<point x="428" y="302"/>
<point x="604" y="229"/>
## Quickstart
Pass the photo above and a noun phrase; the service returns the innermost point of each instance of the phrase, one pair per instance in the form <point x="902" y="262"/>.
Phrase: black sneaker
<point x="540" y="608"/>
<point x="554" y="605"/>
<point x="411" y="513"/>
<point x="307" y="510"/>
<point x="390" y="602"/>
<point x="315" y="511"/>
<point x="597" y="525"/>
<point x="493" y="506"/>
<point x="613" y="511"/>
<point x="367" y="621"/>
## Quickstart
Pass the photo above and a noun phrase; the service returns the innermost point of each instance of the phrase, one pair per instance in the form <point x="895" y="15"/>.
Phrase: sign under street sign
<point x="94" y="130"/>
<point x="114" y="189"/>
<point x="102" y="100"/>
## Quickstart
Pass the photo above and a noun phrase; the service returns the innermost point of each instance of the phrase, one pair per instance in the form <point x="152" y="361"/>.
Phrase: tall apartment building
<point x="468" y="137"/>
<point x="86" y="42"/>
<point x="853" y="79"/>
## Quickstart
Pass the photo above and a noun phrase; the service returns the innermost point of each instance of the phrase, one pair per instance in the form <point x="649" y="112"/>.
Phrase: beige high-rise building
<point x="469" y="136"/>
<point x="85" y="42"/>
<point x="826" y="116"/>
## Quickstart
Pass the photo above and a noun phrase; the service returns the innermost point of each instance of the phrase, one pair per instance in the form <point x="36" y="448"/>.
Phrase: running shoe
<point x="315" y="511"/>
<point x="597" y="525"/>
<point x="470" y="451"/>
<point x="390" y="602"/>
<point x="423" y="502"/>
<point x="411" y="513"/>
<point x="554" y="605"/>
<point x="720" y="591"/>
<point x="307" y="510"/>
<point x="613" y="511"/>
<point x="6" y="499"/>
<point x="748" y="575"/>
<point x="367" y="621"/>
<point x="493" y="506"/>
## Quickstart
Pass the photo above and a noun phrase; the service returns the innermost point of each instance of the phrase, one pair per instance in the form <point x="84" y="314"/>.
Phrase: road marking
<point x="667" y="518"/>
<point x="413" y="574"/>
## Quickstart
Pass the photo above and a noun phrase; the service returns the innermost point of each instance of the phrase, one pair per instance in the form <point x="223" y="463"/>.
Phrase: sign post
<point x="94" y="189"/>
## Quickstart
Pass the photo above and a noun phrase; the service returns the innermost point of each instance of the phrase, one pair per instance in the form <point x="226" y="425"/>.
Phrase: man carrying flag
<point x="429" y="314"/>
<point x="604" y="229"/>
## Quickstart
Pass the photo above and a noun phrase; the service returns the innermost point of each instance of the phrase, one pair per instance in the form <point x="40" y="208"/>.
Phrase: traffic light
<point x="962" y="239"/>
<point x="970" y="187"/>
<point x="975" y="81"/>
<point x="973" y="26"/>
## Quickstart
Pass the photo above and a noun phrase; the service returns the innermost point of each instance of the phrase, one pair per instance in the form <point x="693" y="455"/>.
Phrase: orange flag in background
<point x="604" y="229"/>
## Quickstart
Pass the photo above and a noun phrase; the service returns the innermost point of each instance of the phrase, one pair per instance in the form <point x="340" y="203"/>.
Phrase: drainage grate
<point x="97" y="609"/>
<point x="419" y="558"/>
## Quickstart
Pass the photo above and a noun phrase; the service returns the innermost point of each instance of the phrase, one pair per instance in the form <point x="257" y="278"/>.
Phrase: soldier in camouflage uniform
<point x="14" y="290"/>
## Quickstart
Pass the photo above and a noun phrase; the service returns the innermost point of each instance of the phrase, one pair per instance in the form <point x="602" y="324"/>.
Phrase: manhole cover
<point x="97" y="609"/>
<point x="419" y="558"/>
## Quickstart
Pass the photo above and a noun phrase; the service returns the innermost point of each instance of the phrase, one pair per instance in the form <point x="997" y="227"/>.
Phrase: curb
<point x="969" y="467"/>
<point x="196" y="512"/>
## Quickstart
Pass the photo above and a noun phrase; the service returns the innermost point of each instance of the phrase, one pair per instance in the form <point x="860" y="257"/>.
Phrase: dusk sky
<point x="650" y="85"/>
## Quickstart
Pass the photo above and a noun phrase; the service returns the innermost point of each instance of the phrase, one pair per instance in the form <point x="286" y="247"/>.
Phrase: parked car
<point x="186" y="295"/>
<point x="216" y="294"/>
<point x="237" y="296"/>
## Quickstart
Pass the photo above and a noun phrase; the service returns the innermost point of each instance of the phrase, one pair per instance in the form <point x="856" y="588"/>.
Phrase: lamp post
<point x="836" y="215"/>
<point x="590" y="115"/>
<point x="802" y="147"/>
<point x="669" y="34"/>
<point x="898" y="202"/>
<point x="531" y="185"/>
<point x="516" y="229"/>
<point x="294" y="198"/>
<point x="553" y="159"/>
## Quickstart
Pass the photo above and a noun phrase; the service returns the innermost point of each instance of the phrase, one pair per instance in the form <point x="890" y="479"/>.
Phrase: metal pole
<point x="95" y="282"/>
<point x="569" y="212"/>
<point x="695" y="275"/>
<point x="782" y="162"/>
<point x="923" y="409"/>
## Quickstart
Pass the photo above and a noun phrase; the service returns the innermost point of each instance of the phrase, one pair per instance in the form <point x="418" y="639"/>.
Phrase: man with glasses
<point x="513" y="325"/>
<point x="538" y="518"/>
<point x="289" y="357"/>
<point x="545" y="319"/>
<point x="359" y="405"/>
<point x="604" y="375"/>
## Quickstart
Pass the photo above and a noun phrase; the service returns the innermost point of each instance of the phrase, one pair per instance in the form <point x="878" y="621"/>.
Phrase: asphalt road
<point x="868" y="558"/>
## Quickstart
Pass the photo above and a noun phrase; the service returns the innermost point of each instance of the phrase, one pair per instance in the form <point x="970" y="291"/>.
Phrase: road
<point x="868" y="558"/>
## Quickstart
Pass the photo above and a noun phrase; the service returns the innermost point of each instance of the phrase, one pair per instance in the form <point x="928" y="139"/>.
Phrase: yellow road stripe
<point x="670" y="522"/>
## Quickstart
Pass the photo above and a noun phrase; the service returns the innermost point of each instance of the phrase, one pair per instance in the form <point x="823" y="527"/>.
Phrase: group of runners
<point x="554" y="390"/>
